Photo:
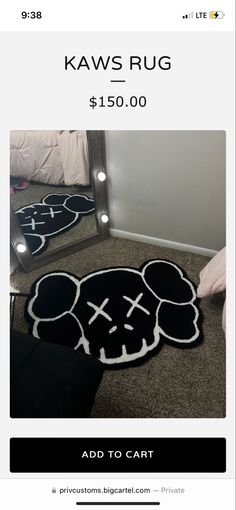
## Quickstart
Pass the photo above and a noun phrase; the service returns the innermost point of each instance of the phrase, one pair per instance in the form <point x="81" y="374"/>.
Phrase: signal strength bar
<point x="188" y="16"/>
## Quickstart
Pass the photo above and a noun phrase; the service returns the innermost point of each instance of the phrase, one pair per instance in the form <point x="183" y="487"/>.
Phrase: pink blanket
<point x="213" y="278"/>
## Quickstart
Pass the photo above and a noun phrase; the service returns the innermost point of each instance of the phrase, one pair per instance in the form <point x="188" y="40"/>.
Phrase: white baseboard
<point x="162" y="242"/>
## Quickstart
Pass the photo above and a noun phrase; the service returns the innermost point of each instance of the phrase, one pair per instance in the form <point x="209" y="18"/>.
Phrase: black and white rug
<point x="53" y="215"/>
<point x="120" y="315"/>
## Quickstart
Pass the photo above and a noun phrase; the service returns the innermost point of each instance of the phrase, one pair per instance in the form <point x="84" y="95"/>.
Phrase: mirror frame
<point x="97" y="161"/>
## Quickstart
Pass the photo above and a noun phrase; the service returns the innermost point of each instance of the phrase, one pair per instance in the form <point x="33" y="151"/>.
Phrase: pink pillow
<point x="213" y="276"/>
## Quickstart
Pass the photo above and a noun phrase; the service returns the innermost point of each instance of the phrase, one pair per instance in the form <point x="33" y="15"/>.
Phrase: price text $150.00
<point x="117" y="102"/>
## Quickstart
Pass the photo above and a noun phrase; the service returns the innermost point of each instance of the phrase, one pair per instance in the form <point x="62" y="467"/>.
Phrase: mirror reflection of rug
<point x="53" y="215"/>
<point x="120" y="315"/>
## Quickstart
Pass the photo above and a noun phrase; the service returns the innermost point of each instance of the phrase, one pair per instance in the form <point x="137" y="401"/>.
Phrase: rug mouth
<point x="119" y="340"/>
<point x="126" y="356"/>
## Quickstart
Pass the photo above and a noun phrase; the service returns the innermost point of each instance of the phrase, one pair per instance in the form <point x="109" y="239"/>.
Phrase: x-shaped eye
<point x="99" y="310"/>
<point x="135" y="304"/>
<point x="51" y="213"/>
<point x="27" y="217"/>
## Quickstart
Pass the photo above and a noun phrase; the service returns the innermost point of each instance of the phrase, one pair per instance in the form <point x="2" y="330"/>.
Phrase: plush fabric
<point x="49" y="380"/>
<point x="213" y="279"/>
<point x="213" y="276"/>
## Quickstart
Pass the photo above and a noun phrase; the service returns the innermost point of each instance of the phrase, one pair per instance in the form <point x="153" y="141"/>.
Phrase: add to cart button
<point x="117" y="455"/>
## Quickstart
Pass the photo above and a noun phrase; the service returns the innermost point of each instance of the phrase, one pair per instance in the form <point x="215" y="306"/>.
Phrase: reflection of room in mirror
<point x="50" y="187"/>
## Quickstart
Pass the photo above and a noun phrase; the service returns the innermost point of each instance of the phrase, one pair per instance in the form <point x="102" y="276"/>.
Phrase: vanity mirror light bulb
<point x="104" y="218"/>
<point x="21" y="248"/>
<point x="101" y="176"/>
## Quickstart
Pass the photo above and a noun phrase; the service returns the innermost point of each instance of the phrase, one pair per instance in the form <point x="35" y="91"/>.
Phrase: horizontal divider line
<point x="118" y="503"/>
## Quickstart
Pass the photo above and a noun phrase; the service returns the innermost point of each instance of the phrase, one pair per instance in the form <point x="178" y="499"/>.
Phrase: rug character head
<point x="118" y="315"/>
<point x="52" y="216"/>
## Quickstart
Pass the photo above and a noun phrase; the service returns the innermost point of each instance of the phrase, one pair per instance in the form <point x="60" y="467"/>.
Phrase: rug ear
<point x="167" y="281"/>
<point x="59" y="289"/>
<point x="36" y="243"/>
<point x="80" y="204"/>
<point x="55" y="199"/>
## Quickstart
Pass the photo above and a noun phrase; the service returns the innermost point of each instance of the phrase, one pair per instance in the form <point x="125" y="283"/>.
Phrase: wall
<point x="168" y="186"/>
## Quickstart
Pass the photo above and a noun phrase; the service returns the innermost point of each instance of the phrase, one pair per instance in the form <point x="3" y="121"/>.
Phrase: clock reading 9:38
<point x="31" y="15"/>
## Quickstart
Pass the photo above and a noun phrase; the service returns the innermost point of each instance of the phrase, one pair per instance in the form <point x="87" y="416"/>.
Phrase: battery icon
<point x="216" y="14"/>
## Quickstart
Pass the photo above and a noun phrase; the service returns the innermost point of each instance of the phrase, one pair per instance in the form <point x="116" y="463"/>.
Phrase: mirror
<point x="58" y="194"/>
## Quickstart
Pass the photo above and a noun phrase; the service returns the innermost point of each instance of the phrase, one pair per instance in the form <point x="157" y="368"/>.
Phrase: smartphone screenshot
<point x="117" y="133"/>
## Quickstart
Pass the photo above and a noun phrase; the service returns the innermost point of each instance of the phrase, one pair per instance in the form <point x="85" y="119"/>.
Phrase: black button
<point x="117" y="455"/>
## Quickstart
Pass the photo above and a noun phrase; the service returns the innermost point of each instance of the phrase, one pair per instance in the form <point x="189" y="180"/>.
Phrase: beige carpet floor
<point x="175" y="383"/>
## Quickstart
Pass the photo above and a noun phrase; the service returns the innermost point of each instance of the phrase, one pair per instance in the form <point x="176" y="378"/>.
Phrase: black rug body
<point x="53" y="215"/>
<point x="120" y="315"/>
